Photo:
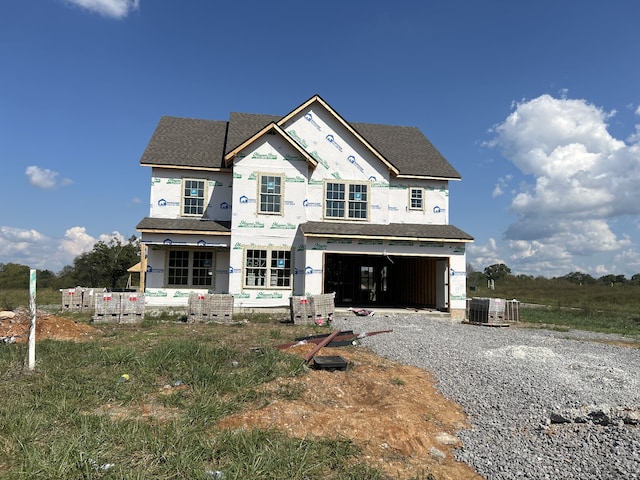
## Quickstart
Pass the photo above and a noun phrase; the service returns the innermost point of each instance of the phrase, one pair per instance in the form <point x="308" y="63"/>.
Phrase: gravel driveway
<point x="542" y="404"/>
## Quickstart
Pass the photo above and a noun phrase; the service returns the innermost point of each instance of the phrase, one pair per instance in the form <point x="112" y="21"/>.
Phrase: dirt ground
<point x="394" y="412"/>
<point x="47" y="327"/>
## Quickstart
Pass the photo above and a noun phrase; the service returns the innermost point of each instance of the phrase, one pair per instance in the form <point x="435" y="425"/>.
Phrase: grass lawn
<point x="76" y="416"/>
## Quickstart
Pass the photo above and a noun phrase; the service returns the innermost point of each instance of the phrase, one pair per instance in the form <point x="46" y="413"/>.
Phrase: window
<point x="202" y="272"/>
<point x="416" y="199"/>
<point x="178" y="268"/>
<point x="190" y="268"/>
<point x="270" y="194"/>
<point x="280" y="275"/>
<point x="267" y="268"/>
<point x="346" y="201"/>
<point x="335" y="200"/>
<point x="193" y="196"/>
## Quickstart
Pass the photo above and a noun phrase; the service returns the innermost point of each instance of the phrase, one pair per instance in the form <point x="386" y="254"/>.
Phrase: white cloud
<point x="481" y="256"/>
<point x="76" y="241"/>
<point x="24" y="247"/>
<point x="45" y="178"/>
<point x="582" y="179"/>
<point x="15" y="242"/>
<point x="109" y="8"/>
<point x="501" y="185"/>
<point x="629" y="258"/>
<point x="32" y="248"/>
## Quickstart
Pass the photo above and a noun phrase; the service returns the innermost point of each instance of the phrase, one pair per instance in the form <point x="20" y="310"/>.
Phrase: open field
<point x="607" y="309"/>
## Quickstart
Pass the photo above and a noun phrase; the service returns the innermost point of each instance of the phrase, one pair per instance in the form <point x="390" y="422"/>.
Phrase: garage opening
<point x="386" y="281"/>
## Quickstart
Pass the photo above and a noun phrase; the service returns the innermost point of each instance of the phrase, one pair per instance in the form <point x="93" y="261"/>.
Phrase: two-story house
<point x="266" y="207"/>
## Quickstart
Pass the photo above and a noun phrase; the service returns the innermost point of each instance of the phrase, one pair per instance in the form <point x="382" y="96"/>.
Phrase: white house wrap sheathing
<point x="316" y="148"/>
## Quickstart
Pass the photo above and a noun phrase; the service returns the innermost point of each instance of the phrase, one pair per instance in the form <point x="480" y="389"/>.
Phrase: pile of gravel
<point x="542" y="404"/>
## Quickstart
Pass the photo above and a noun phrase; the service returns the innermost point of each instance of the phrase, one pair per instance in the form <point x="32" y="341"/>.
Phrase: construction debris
<point x="361" y="312"/>
<point x="341" y="339"/>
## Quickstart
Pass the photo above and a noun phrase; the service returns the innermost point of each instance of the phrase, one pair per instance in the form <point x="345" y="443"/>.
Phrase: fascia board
<point x="427" y="177"/>
<point x="384" y="237"/>
<point x="187" y="167"/>
<point x="185" y="232"/>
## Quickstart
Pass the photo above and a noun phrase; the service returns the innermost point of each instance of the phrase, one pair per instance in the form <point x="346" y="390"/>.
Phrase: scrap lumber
<point x="317" y="348"/>
<point x="339" y="338"/>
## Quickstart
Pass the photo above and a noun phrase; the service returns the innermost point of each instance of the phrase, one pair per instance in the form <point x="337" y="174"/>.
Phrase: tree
<point x="579" y="278"/>
<point x="13" y="275"/>
<point x="497" y="271"/>
<point x="105" y="265"/>
<point x="46" y="279"/>
<point x="473" y="278"/>
<point x="612" y="279"/>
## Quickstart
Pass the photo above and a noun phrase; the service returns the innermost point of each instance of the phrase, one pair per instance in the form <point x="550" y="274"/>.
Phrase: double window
<point x="270" y="194"/>
<point x="267" y="268"/>
<point x="346" y="200"/>
<point x="193" y="197"/>
<point x="190" y="268"/>
<point x="416" y="198"/>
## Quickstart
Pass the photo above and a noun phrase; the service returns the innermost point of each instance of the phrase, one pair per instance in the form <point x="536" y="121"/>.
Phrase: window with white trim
<point x="267" y="268"/>
<point x="416" y="199"/>
<point x="193" y="197"/>
<point x="346" y="200"/>
<point x="270" y="194"/>
<point x="190" y="268"/>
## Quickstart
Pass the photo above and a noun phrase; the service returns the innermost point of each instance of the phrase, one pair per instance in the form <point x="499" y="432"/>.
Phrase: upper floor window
<point x="267" y="268"/>
<point x="190" y="268"/>
<point x="346" y="200"/>
<point x="416" y="199"/>
<point x="193" y="196"/>
<point x="270" y="194"/>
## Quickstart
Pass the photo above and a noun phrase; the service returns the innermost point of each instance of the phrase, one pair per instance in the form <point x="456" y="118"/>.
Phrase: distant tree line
<point x="501" y="272"/>
<point x="105" y="265"/>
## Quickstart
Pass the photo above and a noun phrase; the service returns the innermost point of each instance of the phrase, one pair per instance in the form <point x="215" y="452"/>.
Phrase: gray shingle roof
<point x="190" y="142"/>
<point x="393" y="230"/>
<point x="186" y="142"/>
<point x="407" y="149"/>
<point x="244" y="125"/>
<point x="186" y="224"/>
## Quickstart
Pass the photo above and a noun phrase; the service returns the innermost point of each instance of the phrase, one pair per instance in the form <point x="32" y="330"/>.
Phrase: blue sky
<point x="536" y="104"/>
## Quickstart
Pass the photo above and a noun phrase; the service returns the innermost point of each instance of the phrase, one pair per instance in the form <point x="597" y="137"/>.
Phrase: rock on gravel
<point x="542" y="404"/>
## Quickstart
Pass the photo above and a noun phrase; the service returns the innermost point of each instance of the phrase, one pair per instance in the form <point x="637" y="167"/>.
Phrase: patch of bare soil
<point x="16" y="329"/>
<point x="393" y="411"/>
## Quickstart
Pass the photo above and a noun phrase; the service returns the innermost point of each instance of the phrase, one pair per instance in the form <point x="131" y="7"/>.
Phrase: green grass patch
<point x="12" y="298"/>
<point x="562" y="319"/>
<point x="75" y="417"/>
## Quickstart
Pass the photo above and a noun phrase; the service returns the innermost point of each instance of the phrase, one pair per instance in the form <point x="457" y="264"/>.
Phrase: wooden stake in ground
<point x="32" y="311"/>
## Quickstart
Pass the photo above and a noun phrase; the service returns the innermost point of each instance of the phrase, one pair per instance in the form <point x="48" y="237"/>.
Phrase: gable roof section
<point x="183" y="225"/>
<point x="186" y="142"/>
<point x="361" y="139"/>
<point x="271" y="128"/>
<point x="209" y="144"/>
<point x="400" y="231"/>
